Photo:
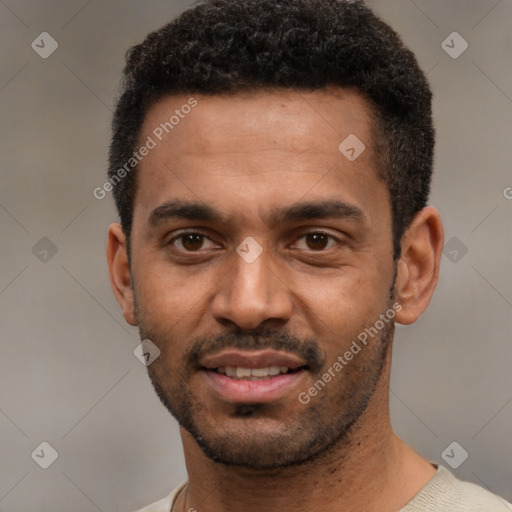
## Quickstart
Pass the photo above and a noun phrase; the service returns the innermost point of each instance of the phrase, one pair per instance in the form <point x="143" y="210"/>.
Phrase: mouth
<point x="265" y="373"/>
<point x="253" y="376"/>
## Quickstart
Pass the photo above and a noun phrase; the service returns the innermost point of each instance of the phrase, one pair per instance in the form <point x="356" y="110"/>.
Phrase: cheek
<point x="340" y="308"/>
<point x="166" y="299"/>
<point x="348" y="291"/>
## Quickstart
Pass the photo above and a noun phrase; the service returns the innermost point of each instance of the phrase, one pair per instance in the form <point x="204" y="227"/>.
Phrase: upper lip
<point x="252" y="359"/>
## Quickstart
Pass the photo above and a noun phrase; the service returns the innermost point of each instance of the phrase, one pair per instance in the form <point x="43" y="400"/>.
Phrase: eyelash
<point x="320" y="232"/>
<point x="184" y="234"/>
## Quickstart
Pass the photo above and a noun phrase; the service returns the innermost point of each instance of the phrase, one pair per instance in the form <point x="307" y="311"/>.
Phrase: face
<point x="259" y="253"/>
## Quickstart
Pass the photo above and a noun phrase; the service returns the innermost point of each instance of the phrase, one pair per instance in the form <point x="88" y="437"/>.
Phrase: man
<point x="271" y="164"/>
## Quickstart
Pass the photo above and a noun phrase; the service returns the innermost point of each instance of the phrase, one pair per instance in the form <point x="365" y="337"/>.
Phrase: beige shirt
<point x="442" y="493"/>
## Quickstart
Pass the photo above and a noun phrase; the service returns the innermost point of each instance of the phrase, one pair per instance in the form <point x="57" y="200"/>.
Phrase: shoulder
<point x="446" y="493"/>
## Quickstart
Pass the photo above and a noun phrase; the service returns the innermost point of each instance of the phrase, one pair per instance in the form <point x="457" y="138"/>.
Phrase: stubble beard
<point x="254" y="438"/>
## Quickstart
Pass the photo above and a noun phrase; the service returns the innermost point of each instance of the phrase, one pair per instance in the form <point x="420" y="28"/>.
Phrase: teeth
<point x="259" y="372"/>
<point x="243" y="372"/>
<point x="238" y="372"/>
<point x="230" y="371"/>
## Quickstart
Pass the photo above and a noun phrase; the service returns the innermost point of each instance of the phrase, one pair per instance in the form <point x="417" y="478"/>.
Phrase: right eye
<point x="192" y="242"/>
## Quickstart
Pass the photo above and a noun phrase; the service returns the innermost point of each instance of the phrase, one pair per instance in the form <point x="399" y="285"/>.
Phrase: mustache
<point x="258" y="339"/>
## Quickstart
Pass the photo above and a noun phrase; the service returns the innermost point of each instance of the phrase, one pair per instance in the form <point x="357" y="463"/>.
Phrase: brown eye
<point x="317" y="241"/>
<point x="192" y="242"/>
<point x="187" y="243"/>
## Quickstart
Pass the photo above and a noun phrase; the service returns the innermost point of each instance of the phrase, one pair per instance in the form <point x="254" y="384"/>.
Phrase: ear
<point x="418" y="266"/>
<point x="119" y="271"/>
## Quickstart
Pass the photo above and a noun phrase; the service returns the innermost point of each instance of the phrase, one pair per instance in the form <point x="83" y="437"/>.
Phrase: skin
<point x="250" y="156"/>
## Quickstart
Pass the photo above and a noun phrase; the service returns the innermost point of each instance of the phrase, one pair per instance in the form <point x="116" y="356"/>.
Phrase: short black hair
<point x="229" y="46"/>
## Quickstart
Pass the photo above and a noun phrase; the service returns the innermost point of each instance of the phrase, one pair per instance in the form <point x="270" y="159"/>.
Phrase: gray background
<point x="67" y="369"/>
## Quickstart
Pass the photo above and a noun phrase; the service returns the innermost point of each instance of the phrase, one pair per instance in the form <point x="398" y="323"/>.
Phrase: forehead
<point x="306" y="118"/>
<point x="261" y="146"/>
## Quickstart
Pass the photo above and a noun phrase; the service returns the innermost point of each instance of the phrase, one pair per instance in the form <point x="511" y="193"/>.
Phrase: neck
<point x="371" y="469"/>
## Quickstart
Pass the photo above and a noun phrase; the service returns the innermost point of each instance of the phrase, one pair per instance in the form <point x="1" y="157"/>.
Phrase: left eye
<point x="316" y="241"/>
<point x="192" y="242"/>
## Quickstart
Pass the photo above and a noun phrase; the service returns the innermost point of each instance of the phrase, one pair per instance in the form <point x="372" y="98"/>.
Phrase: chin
<point x="247" y="441"/>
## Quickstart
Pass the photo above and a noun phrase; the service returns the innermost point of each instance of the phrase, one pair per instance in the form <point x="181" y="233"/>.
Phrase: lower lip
<point x="253" y="391"/>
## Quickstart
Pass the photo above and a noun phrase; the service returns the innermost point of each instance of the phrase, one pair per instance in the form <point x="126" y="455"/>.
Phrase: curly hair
<point x="228" y="46"/>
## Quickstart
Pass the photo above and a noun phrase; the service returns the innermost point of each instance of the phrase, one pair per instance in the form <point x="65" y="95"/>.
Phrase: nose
<point x="251" y="294"/>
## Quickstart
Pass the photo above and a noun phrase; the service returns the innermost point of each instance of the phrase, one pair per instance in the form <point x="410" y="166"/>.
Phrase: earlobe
<point x="119" y="271"/>
<point x="418" y="267"/>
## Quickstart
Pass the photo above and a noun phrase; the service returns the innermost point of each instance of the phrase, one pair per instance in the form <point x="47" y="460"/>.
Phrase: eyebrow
<point x="184" y="210"/>
<point x="310" y="210"/>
